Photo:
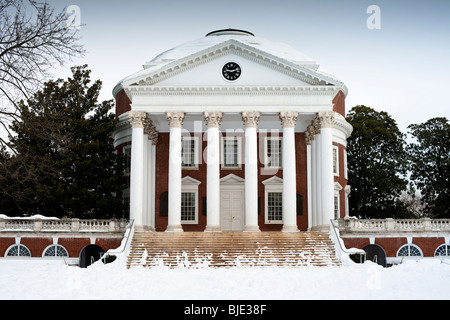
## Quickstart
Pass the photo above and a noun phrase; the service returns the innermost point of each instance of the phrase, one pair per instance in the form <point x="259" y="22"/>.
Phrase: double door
<point x="232" y="210"/>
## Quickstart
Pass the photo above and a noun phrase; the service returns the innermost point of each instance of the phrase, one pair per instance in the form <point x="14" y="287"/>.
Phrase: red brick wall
<point x="37" y="245"/>
<point x="339" y="103"/>
<point x="428" y="245"/>
<point x="123" y="103"/>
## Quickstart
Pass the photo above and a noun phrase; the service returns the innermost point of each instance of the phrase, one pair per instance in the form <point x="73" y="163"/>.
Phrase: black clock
<point x="231" y="71"/>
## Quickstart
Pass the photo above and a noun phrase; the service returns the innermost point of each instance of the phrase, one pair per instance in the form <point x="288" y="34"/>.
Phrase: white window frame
<point x="267" y="161"/>
<point x="409" y="246"/>
<point x="18" y="245"/>
<point x="273" y="184"/>
<point x="56" y="251"/>
<point x="446" y="248"/>
<point x="337" y="207"/>
<point x="337" y="200"/>
<point x="345" y="165"/>
<point x="239" y="152"/>
<point x="196" y="152"/>
<point x="190" y="185"/>
<point x="336" y="160"/>
<point x="126" y="151"/>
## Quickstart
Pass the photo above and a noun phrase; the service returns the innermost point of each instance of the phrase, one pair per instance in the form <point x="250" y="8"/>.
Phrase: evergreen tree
<point x="377" y="164"/>
<point x="430" y="170"/>
<point x="64" y="162"/>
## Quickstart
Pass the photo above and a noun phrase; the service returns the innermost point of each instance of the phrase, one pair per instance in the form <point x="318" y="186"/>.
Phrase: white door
<point x="232" y="210"/>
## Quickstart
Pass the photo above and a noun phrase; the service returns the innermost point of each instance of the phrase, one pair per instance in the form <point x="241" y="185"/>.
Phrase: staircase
<point x="228" y="249"/>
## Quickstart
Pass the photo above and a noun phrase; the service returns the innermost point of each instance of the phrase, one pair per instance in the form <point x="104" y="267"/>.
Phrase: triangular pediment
<point x="205" y="68"/>
<point x="273" y="181"/>
<point x="231" y="179"/>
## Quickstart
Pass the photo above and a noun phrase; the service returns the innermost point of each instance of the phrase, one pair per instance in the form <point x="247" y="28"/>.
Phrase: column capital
<point x="154" y="137"/>
<point x="148" y="126"/>
<point x="213" y="118"/>
<point x="175" y="119"/>
<point x="288" y="118"/>
<point x="309" y="135"/>
<point x="315" y="126"/>
<point x="250" y="118"/>
<point x="326" y="119"/>
<point x="137" y="118"/>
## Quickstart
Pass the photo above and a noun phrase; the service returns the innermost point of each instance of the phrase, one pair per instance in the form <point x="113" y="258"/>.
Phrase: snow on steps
<point x="227" y="249"/>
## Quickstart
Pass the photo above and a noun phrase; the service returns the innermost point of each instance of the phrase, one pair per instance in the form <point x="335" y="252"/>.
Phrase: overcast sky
<point x="402" y="68"/>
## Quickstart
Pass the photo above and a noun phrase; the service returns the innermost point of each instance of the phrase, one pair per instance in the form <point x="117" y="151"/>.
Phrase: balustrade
<point x="61" y="225"/>
<point x="393" y="225"/>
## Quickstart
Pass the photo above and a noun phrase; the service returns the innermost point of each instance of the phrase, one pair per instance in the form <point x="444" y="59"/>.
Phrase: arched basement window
<point x="409" y="250"/>
<point x="55" y="250"/>
<point x="18" y="250"/>
<point x="442" y="251"/>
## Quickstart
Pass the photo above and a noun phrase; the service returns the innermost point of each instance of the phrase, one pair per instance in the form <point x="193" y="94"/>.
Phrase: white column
<point x="251" y="119"/>
<point x="175" y="122"/>
<point x="154" y="138"/>
<point x="288" y="121"/>
<point x="308" y="140"/>
<point x="137" y="168"/>
<point x="313" y="182"/>
<point x="315" y="127"/>
<point x="327" y="120"/>
<point x="149" y="130"/>
<point x="213" y="120"/>
<point x="145" y="177"/>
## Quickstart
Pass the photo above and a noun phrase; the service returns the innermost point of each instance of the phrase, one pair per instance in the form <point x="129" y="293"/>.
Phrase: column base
<point x="251" y="229"/>
<point x="290" y="229"/>
<point x="174" y="229"/>
<point x="213" y="229"/>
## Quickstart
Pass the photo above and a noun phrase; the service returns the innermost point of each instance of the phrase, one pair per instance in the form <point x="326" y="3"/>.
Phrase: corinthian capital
<point x="148" y="126"/>
<point x="326" y="119"/>
<point x="250" y="118"/>
<point x="137" y="119"/>
<point x="213" y="118"/>
<point x="175" y="119"/>
<point x="288" y="118"/>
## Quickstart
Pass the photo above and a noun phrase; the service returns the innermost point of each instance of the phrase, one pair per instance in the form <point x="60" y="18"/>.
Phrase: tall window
<point x="336" y="160"/>
<point x="189" y="200"/>
<point x="189" y="151"/>
<point x="231" y="152"/>
<point x="273" y="194"/>
<point x="273" y="154"/>
<point x="188" y="206"/>
<point x="336" y="205"/>
<point x="275" y="206"/>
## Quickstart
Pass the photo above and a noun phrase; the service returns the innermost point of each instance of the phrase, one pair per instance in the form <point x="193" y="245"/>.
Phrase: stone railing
<point x="61" y="225"/>
<point x="390" y="225"/>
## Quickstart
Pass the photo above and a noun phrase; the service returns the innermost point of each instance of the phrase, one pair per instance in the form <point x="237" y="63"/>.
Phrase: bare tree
<point x="33" y="38"/>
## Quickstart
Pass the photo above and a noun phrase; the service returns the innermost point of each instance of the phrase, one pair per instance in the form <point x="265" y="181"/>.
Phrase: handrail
<point x="125" y="246"/>
<point x="339" y="242"/>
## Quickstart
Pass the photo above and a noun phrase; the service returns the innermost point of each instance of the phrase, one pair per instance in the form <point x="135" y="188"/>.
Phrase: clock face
<point x="231" y="71"/>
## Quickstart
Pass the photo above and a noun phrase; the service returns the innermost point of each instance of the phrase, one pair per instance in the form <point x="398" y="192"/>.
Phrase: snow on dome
<point x="277" y="49"/>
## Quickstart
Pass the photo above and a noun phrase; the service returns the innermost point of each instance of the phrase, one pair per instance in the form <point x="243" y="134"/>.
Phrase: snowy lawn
<point x="43" y="279"/>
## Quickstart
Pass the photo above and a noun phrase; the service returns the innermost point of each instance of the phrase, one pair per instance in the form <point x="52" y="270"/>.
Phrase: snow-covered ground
<point x="44" y="279"/>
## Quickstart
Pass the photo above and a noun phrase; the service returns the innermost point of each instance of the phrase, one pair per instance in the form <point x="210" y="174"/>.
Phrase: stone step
<point x="229" y="249"/>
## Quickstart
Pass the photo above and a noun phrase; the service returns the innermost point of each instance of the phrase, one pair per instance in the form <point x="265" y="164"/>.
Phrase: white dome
<point x="277" y="49"/>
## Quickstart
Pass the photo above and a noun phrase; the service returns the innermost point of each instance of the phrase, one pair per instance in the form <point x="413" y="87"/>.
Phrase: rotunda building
<point x="233" y="132"/>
